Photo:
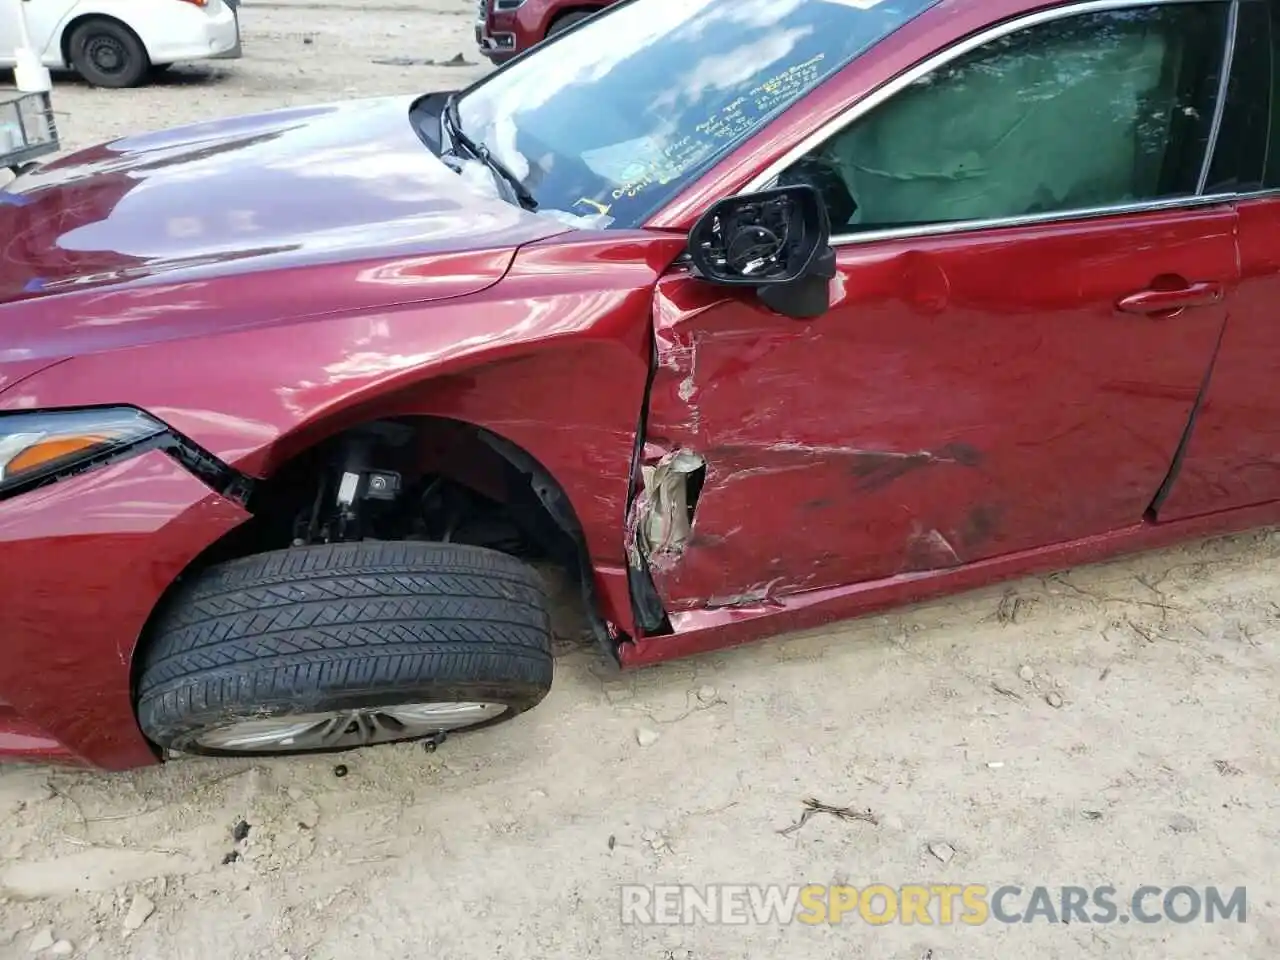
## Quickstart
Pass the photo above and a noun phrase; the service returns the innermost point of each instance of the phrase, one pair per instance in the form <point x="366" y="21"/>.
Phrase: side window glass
<point x="1089" y="111"/>
<point x="1241" y="153"/>
<point x="1271" y="83"/>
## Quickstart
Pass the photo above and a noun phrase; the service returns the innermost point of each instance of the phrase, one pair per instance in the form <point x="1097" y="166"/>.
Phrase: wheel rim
<point x="344" y="729"/>
<point x="107" y="54"/>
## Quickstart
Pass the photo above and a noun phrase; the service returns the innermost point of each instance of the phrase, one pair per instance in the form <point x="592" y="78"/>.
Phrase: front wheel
<point x="108" y="54"/>
<point x="337" y="646"/>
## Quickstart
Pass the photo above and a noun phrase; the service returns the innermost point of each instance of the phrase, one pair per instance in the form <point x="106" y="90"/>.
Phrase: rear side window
<point x="1268" y="79"/>
<point x="1093" y="110"/>
<point x="1241" y="163"/>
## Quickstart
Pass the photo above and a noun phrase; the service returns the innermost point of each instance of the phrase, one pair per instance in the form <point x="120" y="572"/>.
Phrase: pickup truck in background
<point x="505" y="28"/>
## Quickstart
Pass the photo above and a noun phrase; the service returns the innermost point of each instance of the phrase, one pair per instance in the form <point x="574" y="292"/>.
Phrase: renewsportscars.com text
<point x="929" y="904"/>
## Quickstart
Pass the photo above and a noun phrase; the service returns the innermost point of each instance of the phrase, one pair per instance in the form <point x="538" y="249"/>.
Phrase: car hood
<point x="340" y="183"/>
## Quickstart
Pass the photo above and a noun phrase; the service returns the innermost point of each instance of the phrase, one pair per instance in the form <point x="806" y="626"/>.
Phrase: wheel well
<point x="70" y="29"/>
<point x="569" y="12"/>
<point x="453" y="482"/>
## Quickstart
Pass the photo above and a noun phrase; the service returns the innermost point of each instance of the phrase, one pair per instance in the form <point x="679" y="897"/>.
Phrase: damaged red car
<point x="505" y="28"/>
<point x="751" y="314"/>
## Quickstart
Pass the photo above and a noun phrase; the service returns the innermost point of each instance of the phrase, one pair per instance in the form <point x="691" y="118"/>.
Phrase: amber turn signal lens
<point x="50" y="450"/>
<point x="39" y="445"/>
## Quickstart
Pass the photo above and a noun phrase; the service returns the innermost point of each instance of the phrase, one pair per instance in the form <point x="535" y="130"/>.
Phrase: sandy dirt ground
<point x="1115" y="724"/>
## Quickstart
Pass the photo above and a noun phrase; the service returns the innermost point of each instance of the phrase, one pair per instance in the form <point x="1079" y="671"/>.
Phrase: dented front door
<point x="967" y="395"/>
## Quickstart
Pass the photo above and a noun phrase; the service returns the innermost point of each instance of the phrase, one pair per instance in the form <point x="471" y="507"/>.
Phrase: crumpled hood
<point x="297" y="187"/>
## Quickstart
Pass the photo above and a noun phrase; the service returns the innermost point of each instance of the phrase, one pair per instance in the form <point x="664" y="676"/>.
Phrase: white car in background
<point x="120" y="43"/>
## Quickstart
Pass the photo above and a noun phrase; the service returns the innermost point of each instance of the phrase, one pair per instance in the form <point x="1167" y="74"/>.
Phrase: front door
<point x="1031" y="285"/>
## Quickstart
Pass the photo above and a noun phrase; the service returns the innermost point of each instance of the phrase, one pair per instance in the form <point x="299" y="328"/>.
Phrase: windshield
<point x="617" y="116"/>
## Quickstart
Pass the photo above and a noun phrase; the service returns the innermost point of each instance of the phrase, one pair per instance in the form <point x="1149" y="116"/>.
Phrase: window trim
<point x="1273" y="136"/>
<point x="853" y="114"/>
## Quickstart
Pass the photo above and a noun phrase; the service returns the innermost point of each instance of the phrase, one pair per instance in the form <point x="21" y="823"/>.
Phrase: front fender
<point x="52" y="55"/>
<point x="554" y="358"/>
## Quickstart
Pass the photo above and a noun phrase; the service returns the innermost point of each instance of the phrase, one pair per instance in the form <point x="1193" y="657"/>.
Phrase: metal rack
<point x="27" y="129"/>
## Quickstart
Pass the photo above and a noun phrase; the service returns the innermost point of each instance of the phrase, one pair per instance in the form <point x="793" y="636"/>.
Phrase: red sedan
<point x="753" y="314"/>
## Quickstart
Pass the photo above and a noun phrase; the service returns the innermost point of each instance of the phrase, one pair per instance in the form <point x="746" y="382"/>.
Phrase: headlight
<point x="35" y="446"/>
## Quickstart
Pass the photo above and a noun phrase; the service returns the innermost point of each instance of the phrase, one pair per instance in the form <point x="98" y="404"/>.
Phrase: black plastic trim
<point x="1152" y="513"/>
<point x="646" y="603"/>
<point x="553" y="500"/>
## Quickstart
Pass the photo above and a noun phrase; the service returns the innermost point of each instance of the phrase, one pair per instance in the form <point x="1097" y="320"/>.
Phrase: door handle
<point x="1204" y="294"/>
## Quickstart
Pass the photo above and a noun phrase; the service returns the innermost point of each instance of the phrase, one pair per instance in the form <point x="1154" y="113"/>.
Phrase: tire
<point x="567" y="21"/>
<point x="359" y="627"/>
<point x="108" y="54"/>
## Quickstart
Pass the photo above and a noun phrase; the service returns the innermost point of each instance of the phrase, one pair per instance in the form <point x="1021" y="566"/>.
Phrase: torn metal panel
<point x="931" y="550"/>
<point x="661" y="517"/>
<point x="748" y="518"/>
<point x="787" y="503"/>
<point x="755" y="597"/>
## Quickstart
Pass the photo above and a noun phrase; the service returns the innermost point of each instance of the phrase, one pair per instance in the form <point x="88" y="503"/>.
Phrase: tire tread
<point x="292" y="628"/>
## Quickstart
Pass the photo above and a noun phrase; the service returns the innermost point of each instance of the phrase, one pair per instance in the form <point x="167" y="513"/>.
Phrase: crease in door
<point x="1151" y="515"/>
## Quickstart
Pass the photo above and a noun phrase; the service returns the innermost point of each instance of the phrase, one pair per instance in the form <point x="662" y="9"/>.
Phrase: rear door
<point x="1029" y="295"/>
<point x="1232" y="455"/>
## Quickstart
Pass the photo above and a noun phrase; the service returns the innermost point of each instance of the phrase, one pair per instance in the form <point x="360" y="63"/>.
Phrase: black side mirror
<point x="777" y="241"/>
